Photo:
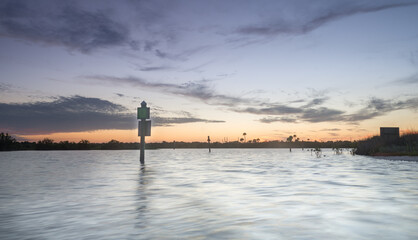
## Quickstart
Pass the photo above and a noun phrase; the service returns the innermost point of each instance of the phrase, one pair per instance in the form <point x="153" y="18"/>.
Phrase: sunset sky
<point x="323" y="70"/>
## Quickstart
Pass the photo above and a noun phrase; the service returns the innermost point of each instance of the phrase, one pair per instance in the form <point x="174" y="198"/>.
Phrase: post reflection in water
<point x="142" y="203"/>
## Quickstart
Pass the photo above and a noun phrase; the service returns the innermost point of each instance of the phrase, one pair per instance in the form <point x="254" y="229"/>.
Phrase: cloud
<point x="65" y="114"/>
<point x="310" y="112"/>
<point x="196" y="90"/>
<point x="169" y="121"/>
<point x="375" y="107"/>
<point x="378" y="107"/>
<point x="161" y="54"/>
<point x="158" y="27"/>
<point x="150" y="45"/>
<point x="4" y="87"/>
<point x="413" y="79"/>
<point x="156" y="68"/>
<point x="322" y="114"/>
<point x="297" y="101"/>
<point x="199" y="67"/>
<point x="63" y="24"/>
<point x="272" y="110"/>
<point x="362" y="115"/>
<point x="315" y="102"/>
<point x="413" y="57"/>
<point x="277" y="119"/>
<point x="183" y="55"/>
<point x="331" y="129"/>
<point x="76" y="114"/>
<point x="315" y="19"/>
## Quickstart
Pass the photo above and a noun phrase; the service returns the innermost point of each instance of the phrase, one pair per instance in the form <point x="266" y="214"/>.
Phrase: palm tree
<point x="245" y="137"/>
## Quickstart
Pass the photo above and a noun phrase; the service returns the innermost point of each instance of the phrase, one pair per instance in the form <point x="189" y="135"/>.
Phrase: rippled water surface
<point x="191" y="194"/>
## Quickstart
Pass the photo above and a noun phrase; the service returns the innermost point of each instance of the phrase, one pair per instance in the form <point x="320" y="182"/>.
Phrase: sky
<point x="322" y="70"/>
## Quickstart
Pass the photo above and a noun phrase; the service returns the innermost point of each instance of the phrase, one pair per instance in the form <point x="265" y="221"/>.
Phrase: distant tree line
<point x="254" y="144"/>
<point x="8" y="143"/>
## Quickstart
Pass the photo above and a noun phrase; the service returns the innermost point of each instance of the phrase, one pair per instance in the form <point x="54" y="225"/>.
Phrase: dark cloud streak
<point x="315" y="102"/>
<point x="76" y="114"/>
<point x="278" y="119"/>
<point x="157" y="68"/>
<point x="170" y="121"/>
<point x="196" y="90"/>
<point x="375" y="107"/>
<point x="331" y="129"/>
<point x="65" y="114"/>
<point x="413" y="79"/>
<point x="311" y="112"/>
<point x="316" y="20"/>
<point x="322" y="114"/>
<point x="64" y="25"/>
<point x="378" y="107"/>
<point x="273" y="110"/>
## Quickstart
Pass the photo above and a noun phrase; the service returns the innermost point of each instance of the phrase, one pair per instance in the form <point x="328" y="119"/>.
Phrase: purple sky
<point x="318" y="69"/>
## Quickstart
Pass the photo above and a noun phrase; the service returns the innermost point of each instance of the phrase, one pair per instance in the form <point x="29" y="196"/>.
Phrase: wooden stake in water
<point x="144" y="128"/>
<point x="209" y="143"/>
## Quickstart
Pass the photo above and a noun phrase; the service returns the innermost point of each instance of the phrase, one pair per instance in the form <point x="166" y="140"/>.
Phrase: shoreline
<point x="397" y="158"/>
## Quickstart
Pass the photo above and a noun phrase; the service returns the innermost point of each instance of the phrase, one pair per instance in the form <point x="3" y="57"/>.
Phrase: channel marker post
<point x="144" y="128"/>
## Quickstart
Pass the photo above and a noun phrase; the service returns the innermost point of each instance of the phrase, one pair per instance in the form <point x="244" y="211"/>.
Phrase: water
<point x="191" y="194"/>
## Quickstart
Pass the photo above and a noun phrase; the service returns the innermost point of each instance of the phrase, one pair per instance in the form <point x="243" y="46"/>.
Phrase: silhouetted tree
<point x="66" y="145"/>
<point x="245" y="137"/>
<point x="83" y="144"/>
<point x="112" y="144"/>
<point x="45" y="144"/>
<point x="7" y="142"/>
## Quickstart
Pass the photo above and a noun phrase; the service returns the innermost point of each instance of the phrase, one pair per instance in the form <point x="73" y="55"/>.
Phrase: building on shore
<point x="389" y="132"/>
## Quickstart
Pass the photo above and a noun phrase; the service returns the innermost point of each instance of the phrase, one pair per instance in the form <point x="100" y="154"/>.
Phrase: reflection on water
<point x="142" y="199"/>
<point x="191" y="194"/>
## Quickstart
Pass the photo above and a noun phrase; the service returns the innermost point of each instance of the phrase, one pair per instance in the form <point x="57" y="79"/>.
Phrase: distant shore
<point x="116" y="145"/>
<point x="8" y="143"/>
<point x="405" y="145"/>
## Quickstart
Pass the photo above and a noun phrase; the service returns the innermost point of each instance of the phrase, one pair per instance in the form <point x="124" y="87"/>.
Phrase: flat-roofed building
<point x="389" y="132"/>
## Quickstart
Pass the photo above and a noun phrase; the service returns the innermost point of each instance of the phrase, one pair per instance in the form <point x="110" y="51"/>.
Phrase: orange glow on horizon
<point x="169" y="134"/>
